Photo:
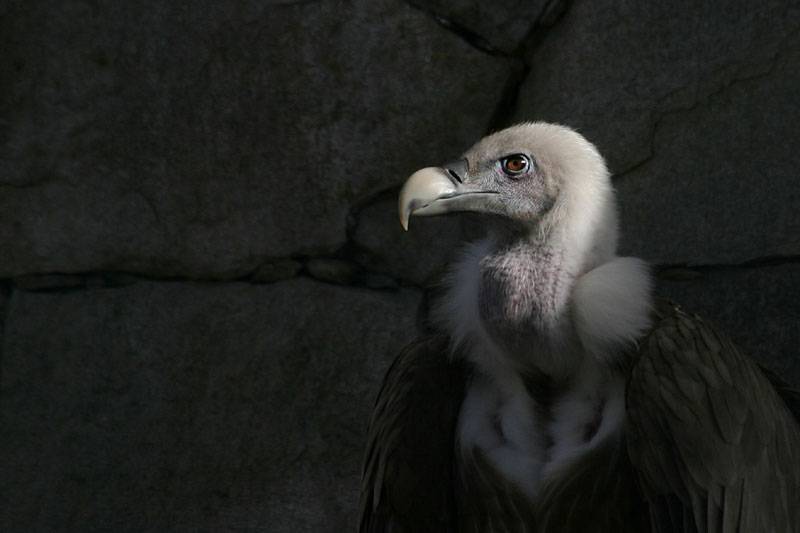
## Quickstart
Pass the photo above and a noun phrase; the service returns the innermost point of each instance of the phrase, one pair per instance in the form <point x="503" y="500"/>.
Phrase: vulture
<point x="558" y="392"/>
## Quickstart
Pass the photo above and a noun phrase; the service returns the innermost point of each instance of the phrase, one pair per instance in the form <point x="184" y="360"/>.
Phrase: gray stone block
<point x="759" y="308"/>
<point x="722" y="185"/>
<point x="204" y="140"/>
<point x="183" y="406"/>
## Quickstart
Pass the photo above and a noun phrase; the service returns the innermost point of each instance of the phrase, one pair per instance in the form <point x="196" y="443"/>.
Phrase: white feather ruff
<point x="458" y="311"/>
<point x="496" y="417"/>
<point x="611" y="306"/>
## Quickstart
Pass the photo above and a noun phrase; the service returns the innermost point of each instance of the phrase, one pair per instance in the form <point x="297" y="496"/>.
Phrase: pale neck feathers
<point x="504" y="297"/>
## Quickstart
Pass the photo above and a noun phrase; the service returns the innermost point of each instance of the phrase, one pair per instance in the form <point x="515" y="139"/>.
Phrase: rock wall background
<point x="203" y="277"/>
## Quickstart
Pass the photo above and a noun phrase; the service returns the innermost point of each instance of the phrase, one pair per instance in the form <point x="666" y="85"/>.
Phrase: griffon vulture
<point x="560" y="395"/>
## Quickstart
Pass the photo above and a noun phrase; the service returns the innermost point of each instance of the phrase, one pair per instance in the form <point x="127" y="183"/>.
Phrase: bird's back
<point x="714" y="444"/>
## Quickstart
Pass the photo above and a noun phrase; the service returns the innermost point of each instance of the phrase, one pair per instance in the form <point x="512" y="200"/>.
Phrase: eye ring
<point x="515" y="165"/>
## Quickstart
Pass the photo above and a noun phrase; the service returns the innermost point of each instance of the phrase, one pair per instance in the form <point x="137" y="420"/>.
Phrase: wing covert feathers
<point x="715" y="446"/>
<point x="408" y="473"/>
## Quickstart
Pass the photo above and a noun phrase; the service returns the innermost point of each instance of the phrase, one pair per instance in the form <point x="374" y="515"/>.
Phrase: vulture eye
<point x="514" y="165"/>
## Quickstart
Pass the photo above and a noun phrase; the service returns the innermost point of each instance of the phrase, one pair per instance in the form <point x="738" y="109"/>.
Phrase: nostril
<point x="455" y="170"/>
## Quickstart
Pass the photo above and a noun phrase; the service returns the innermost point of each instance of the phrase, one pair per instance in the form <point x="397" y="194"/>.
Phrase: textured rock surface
<point x="722" y="186"/>
<point x="758" y="307"/>
<point x="201" y="141"/>
<point x="178" y="406"/>
<point x="145" y="146"/>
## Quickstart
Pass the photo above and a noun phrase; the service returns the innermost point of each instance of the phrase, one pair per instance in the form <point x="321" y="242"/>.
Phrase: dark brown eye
<point x="514" y="165"/>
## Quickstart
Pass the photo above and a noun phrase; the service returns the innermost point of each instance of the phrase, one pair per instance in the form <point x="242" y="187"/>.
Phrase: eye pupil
<point x="515" y="164"/>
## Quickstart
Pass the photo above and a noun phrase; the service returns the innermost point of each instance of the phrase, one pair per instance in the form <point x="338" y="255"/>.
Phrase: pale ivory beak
<point x="421" y="191"/>
<point x="439" y="190"/>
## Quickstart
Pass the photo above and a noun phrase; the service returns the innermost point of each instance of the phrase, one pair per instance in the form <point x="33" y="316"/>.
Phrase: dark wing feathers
<point x="597" y="494"/>
<point x="487" y="501"/>
<point x="408" y="474"/>
<point x="714" y="444"/>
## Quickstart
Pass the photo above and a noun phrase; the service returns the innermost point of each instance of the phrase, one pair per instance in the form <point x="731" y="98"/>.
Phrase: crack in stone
<point x="506" y="107"/>
<point x="292" y="3"/>
<point x="696" y="104"/>
<point x="551" y="13"/>
<point x="723" y="79"/>
<point x="150" y="204"/>
<point x="44" y="179"/>
<point x="107" y="279"/>
<point x="468" y="36"/>
<point x="67" y="283"/>
<point x="664" y="270"/>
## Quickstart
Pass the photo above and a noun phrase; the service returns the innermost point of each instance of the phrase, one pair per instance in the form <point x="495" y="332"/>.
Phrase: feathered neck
<point x="507" y="302"/>
<point x="525" y="301"/>
<point x="523" y="288"/>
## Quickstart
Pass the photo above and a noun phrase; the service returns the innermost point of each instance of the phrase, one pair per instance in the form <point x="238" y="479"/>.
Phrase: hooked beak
<point x="436" y="191"/>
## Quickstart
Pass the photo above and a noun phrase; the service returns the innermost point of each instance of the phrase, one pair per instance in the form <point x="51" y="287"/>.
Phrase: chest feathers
<point x="547" y="341"/>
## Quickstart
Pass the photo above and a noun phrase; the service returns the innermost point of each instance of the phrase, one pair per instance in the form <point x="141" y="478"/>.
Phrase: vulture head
<point x="551" y="221"/>
<point x="542" y="179"/>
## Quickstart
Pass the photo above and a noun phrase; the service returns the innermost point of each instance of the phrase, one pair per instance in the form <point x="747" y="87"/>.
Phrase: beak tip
<point x="404" y="218"/>
<point x="420" y="192"/>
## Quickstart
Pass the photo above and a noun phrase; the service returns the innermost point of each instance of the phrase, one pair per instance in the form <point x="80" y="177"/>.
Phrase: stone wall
<point x="203" y="276"/>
